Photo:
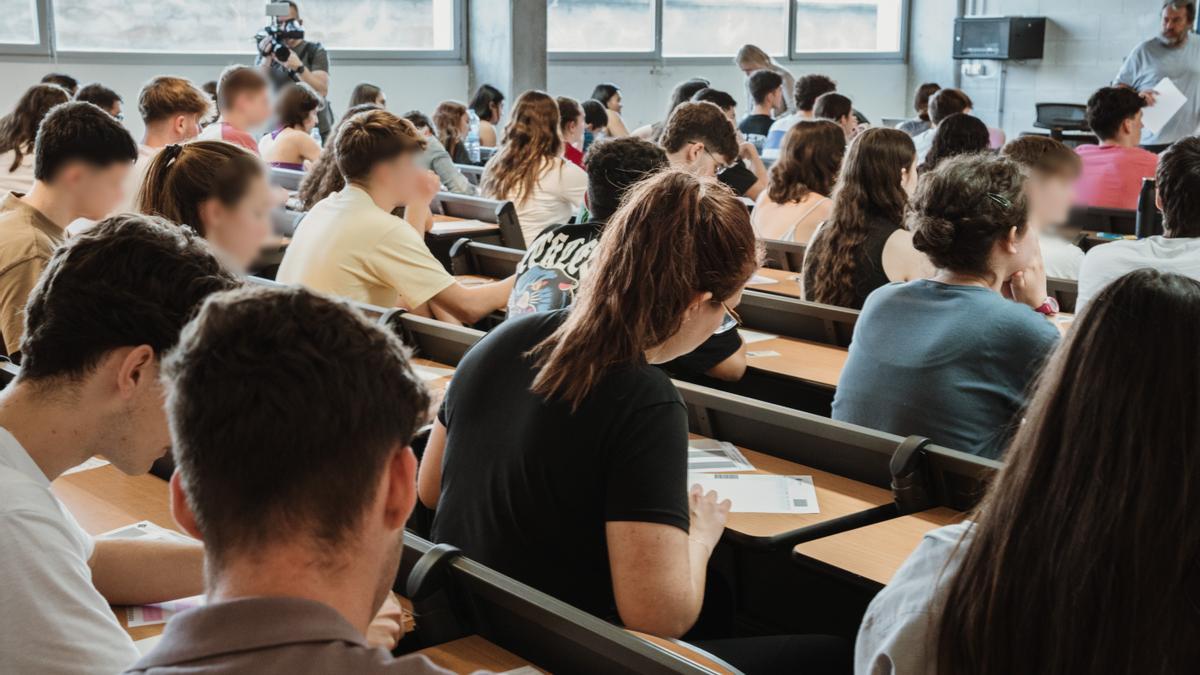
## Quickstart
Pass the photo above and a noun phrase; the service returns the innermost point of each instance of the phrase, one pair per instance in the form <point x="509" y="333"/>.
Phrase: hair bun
<point x="931" y="235"/>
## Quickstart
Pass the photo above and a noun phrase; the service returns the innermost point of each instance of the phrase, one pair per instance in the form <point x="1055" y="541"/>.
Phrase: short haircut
<point x="1188" y="5"/>
<point x="165" y="97"/>
<point x="1178" y="182"/>
<point x="569" y="111"/>
<point x="922" y="96"/>
<point x="594" y="114"/>
<point x="605" y="91"/>
<point x="210" y="88"/>
<point x="335" y="395"/>
<point x="131" y="280"/>
<point x="832" y="106"/>
<point x="98" y="95"/>
<point x="364" y="92"/>
<point x="700" y="123"/>
<point x="716" y="97"/>
<point x="419" y="119"/>
<point x="810" y="87"/>
<point x="946" y="102"/>
<point x="295" y="103"/>
<point x="63" y="80"/>
<point x="763" y="83"/>
<point x="1044" y="155"/>
<point x="236" y="81"/>
<point x="79" y="131"/>
<point x="372" y="137"/>
<point x="1109" y="107"/>
<point x="615" y="165"/>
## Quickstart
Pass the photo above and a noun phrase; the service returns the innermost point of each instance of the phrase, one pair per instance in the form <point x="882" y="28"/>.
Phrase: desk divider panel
<point x="784" y="255"/>
<point x="799" y="319"/>
<point x="484" y="210"/>
<point x="486" y="260"/>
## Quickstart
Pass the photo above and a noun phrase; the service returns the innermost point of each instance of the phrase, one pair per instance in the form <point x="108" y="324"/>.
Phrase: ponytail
<point x="182" y="177"/>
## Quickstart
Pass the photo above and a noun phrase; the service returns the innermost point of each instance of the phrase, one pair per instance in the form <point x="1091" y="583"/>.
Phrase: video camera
<point x="270" y="40"/>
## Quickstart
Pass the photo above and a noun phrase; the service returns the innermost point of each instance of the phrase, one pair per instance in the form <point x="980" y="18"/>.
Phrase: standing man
<point x="308" y="62"/>
<point x="1175" y="54"/>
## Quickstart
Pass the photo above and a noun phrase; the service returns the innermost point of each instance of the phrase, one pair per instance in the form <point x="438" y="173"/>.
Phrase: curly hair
<point x="808" y="162"/>
<point x="531" y="144"/>
<point x="18" y="129"/>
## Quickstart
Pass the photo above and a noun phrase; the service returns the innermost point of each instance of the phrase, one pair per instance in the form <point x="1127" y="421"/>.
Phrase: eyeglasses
<point x="737" y="319"/>
<point x="720" y="167"/>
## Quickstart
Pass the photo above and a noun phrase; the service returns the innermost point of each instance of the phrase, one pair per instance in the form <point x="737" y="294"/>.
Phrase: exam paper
<point x="708" y="456"/>
<point x="758" y="493"/>
<point x="146" y="530"/>
<point x="160" y="612"/>
<point x="760" y="280"/>
<point x="1167" y="101"/>
<point x="93" y="463"/>
<point x="766" y="353"/>
<point x="752" y="336"/>
<point x="429" y="373"/>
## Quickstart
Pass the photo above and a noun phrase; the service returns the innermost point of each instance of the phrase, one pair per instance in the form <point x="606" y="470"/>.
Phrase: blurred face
<point x="310" y="121"/>
<point x="497" y="111"/>
<point x="381" y="100"/>
<point x="614" y="103"/>
<point x="255" y="107"/>
<point x="908" y="178"/>
<point x="239" y="230"/>
<point x="97" y="190"/>
<point x="849" y="125"/>
<point x="137" y="435"/>
<point x="701" y="319"/>
<point x="400" y="178"/>
<point x="695" y="158"/>
<point x="1135" y="126"/>
<point x="747" y="70"/>
<point x="574" y="132"/>
<point x="1174" y="25"/>
<point x="1051" y="198"/>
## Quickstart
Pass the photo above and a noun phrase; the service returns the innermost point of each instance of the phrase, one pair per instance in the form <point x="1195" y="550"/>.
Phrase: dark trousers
<point x="806" y="654"/>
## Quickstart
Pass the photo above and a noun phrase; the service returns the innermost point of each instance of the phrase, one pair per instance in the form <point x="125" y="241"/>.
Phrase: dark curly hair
<point x="1109" y="107"/>
<point x="1178" y="181"/>
<point x="958" y="134"/>
<point x="614" y="166"/>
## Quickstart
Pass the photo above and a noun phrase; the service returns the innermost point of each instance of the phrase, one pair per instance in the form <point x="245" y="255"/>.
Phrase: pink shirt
<point x="223" y="131"/>
<point x="1112" y="175"/>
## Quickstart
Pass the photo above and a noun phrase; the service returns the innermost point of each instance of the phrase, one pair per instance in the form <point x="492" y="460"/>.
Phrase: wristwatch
<point x="299" y="69"/>
<point x="1049" y="307"/>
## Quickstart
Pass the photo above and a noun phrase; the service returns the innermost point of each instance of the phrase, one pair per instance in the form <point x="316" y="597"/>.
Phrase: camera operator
<point x="307" y="62"/>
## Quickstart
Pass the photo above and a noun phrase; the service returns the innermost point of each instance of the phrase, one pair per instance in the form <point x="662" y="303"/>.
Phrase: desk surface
<point x="686" y="651"/>
<point x="799" y="359"/>
<point x="444" y="226"/>
<point x="472" y="653"/>
<point x="876" y="551"/>
<point x="788" y="283"/>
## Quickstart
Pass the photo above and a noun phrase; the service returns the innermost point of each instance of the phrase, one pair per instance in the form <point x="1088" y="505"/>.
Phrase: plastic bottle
<point x="473" y="137"/>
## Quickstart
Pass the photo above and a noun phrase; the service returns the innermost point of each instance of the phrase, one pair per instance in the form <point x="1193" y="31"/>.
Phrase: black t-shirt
<point x="528" y="485"/>
<point x="314" y="57"/>
<point x="756" y="125"/>
<point x="738" y="178"/>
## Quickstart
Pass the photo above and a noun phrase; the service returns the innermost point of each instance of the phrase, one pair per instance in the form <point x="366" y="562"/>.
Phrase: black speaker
<point x="999" y="38"/>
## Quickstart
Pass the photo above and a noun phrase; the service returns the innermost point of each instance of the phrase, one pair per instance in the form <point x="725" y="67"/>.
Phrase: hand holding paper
<point x="1167" y="100"/>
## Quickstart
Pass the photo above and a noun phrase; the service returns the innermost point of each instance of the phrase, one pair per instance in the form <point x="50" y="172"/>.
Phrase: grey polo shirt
<point x="270" y="635"/>
<point x="1149" y="63"/>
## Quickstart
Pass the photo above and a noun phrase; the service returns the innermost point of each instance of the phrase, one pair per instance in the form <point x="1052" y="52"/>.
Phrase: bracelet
<point x="1049" y="307"/>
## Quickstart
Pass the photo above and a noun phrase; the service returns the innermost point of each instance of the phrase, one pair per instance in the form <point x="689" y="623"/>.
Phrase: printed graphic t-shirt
<point x="549" y="274"/>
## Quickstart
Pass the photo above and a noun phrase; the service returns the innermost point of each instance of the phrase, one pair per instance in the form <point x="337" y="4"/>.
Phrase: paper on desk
<point x="708" y="456"/>
<point x="758" y="493"/>
<point x="147" y="531"/>
<point x="752" y="336"/>
<point x="93" y="463"/>
<point x="160" y="612"/>
<point x="761" y="280"/>
<point x="766" y="353"/>
<point x="430" y="373"/>
<point x="146" y="644"/>
<point x="1167" y="101"/>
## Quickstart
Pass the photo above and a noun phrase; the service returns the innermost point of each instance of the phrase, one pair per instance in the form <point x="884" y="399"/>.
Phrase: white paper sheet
<point x="752" y="336"/>
<point x="429" y="373"/>
<point x="1167" y="101"/>
<point x="93" y="463"/>
<point x="764" y="354"/>
<point x="760" y="280"/>
<point x="759" y="493"/>
<point x="146" y="530"/>
<point x="160" y="612"/>
<point x="708" y="456"/>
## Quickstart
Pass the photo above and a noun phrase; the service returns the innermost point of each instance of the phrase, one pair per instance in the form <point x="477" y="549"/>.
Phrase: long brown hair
<point x="870" y="186"/>
<point x="808" y="162"/>
<point x="18" y="129"/>
<point x="675" y="235"/>
<point x="181" y="178"/>
<point x="447" y="118"/>
<point x="1085" y="552"/>
<point x="531" y="143"/>
<point x="324" y="178"/>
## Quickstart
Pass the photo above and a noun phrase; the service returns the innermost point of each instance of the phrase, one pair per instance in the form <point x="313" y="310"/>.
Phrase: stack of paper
<point x="758" y="493"/>
<point x="709" y="456"/>
<point x="1167" y="101"/>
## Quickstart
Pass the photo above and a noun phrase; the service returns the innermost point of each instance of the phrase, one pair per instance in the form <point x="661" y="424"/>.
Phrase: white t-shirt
<point x="1060" y="257"/>
<point x="1108" y="262"/>
<point x="556" y="197"/>
<point x="924" y="141"/>
<point x="776" y="134"/>
<point x="52" y="619"/>
<point x="20" y="180"/>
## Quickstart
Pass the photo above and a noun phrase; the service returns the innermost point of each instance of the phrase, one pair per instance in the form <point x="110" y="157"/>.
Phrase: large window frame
<point x="47" y="47"/>
<point x="655" y="55"/>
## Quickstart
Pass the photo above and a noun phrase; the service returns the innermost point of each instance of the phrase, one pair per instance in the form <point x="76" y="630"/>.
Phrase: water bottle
<point x="473" y="137"/>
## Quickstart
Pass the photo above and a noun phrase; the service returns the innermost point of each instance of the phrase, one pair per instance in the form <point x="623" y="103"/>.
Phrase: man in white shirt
<point x="1177" y="250"/>
<point x="1051" y="169"/>
<point x="808" y="89"/>
<point x="944" y="103"/>
<point x="172" y="109"/>
<point x="110" y="303"/>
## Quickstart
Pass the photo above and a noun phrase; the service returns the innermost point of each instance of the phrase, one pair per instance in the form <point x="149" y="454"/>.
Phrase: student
<point x="920" y="124"/>
<point x="244" y="105"/>
<point x="1114" y="169"/>
<point x="958" y="134"/>
<point x="324" y="178"/>
<point x="63" y="80"/>
<point x="808" y="89"/>
<point x="838" y="109"/>
<point x="863" y="245"/>
<point x="488" y="104"/>
<point x="297" y="564"/>
<point x="219" y="190"/>
<point x="210" y="88"/>
<point x="594" y="119"/>
<point x="529" y="169"/>
<point x="102" y="97"/>
<point x="797" y="199"/>
<point x="291" y="145"/>
<point x="452" y="124"/>
<point x="699" y="139"/>
<point x="766" y="90"/>
<point x="435" y="157"/>
<point x="81" y="160"/>
<point x="751" y="59"/>
<point x="1177" y="249"/>
<point x="18" y="129"/>
<point x="365" y="92"/>
<point x="610" y="95"/>
<point x="1051" y="171"/>
<point x="172" y="110"/>
<point x="111" y="304"/>
<point x="682" y="93"/>
<point x="944" y="103"/>
<point x="1087" y="510"/>
<point x="352" y="246"/>
<point x="950" y="357"/>
<point x="571" y="126"/>
<point x="746" y="181"/>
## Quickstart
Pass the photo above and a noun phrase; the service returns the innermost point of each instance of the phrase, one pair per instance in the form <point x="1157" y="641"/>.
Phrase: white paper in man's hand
<point x="1168" y="101"/>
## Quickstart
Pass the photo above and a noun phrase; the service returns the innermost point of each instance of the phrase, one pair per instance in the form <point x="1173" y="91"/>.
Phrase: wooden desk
<point x="800" y="359"/>
<point x="788" y="283"/>
<point x="687" y="652"/>
<point x="472" y="653"/>
<point x="876" y="551"/>
<point x="449" y="226"/>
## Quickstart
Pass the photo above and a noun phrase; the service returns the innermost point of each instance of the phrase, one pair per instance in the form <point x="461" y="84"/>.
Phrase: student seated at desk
<point x="488" y="104"/>
<point x="291" y="145"/>
<point x="699" y="139"/>
<point x="864" y="245"/>
<point x="944" y="103"/>
<point x="324" y="178"/>
<point x="958" y="134"/>
<point x="244" y="105"/>
<point x="365" y="92"/>
<point x="1052" y="170"/>
<point x="1081" y="557"/>
<point x="1114" y="169"/>
<point x="746" y="175"/>
<point x="951" y="357"/>
<point x="1177" y="249"/>
<point x="838" y="109"/>
<point x="920" y="124"/>
<point x="436" y="159"/>
<point x="797" y="200"/>
<point x="103" y="98"/>
<point x="63" y="80"/>
<point x="808" y="89"/>
<point x="451" y="124"/>
<point x="81" y="161"/>
<point x="18" y="129"/>
<point x="609" y="94"/>
<point x="571" y="126"/>
<point x="109" y="306"/>
<point x="350" y="244"/>
<point x="219" y="190"/>
<point x="530" y="171"/>
<point x="302" y="543"/>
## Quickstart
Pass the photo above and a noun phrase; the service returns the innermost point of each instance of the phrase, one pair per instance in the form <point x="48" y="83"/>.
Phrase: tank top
<point x="868" y="270"/>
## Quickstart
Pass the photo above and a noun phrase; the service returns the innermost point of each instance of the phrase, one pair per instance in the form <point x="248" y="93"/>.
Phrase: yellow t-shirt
<point x="349" y="247"/>
<point x="27" y="240"/>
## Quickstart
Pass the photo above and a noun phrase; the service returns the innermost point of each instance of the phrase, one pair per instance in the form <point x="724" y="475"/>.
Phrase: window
<point x="870" y="26"/>
<point x="720" y="27"/>
<point x="600" y="25"/>
<point x="18" y="22"/>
